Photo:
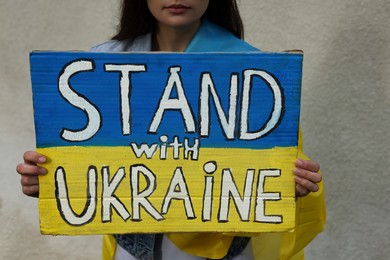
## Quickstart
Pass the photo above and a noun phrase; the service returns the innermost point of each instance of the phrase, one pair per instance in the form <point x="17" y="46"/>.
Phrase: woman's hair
<point x="136" y="19"/>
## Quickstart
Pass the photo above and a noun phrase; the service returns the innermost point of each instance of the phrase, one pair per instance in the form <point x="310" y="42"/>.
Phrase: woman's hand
<point x="29" y="172"/>
<point x="306" y="177"/>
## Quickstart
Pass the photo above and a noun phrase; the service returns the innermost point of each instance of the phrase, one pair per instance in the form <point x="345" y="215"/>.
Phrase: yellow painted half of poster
<point x="101" y="190"/>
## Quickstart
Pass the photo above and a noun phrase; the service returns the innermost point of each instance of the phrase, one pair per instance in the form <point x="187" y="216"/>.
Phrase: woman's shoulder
<point x="139" y="44"/>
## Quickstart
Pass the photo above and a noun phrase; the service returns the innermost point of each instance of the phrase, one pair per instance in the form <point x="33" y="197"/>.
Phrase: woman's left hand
<point x="306" y="177"/>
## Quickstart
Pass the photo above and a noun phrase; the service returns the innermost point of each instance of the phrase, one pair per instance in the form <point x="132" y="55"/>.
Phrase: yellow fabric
<point x="310" y="220"/>
<point x="199" y="244"/>
<point x="109" y="247"/>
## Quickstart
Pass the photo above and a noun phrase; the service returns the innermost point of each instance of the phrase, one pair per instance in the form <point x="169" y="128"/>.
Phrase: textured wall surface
<point x="345" y="111"/>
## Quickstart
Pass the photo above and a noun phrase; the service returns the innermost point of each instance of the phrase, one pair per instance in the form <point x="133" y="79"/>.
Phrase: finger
<point x="31" y="157"/>
<point x="308" y="175"/>
<point x="32" y="191"/>
<point x="300" y="191"/>
<point x="29" y="169"/>
<point x="29" y="180"/>
<point x="308" y="165"/>
<point x="311" y="186"/>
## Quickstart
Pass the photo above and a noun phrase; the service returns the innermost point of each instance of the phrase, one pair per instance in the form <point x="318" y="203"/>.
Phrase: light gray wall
<point x="345" y="111"/>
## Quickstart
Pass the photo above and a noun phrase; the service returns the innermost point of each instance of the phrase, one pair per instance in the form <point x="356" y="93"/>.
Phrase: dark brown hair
<point x="136" y="19"/>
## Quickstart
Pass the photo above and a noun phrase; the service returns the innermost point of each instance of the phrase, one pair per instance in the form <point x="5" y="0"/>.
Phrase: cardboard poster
<point x="167" y="142"/>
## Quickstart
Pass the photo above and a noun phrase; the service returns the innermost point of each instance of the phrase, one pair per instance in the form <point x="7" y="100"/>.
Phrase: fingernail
<point x="42" y="170"/>
<point x="298" y="162"/>
<point x="42" y="159"/>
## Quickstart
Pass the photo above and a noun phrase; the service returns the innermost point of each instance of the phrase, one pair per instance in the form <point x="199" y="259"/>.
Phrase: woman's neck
<point x="172" y="39"/>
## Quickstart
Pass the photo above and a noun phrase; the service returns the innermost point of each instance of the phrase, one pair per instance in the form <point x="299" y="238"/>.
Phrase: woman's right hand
<point x="29" y="171"/>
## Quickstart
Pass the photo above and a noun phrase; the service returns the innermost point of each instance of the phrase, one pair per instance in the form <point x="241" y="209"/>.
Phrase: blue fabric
<point x="213" y="38"/>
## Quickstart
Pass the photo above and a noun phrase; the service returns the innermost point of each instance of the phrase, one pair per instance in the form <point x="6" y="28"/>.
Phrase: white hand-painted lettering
<point x="140" y="198"/>
<point x="229" y="190"/>
<point x="262" y="197"/>
<point x="125" y="90"/>
<point x="207" y="87"/>
<point x="177" y="189"/>
<point x="79" y="101"/>
<point x="63" y="201"/>
<point x="180" y="103"/>
<point x="109" y="200"/>
<point x="276" y="114"/>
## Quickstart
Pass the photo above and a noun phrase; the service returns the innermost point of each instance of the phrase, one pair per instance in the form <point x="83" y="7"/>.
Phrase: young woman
<point x="186" y="26"/>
